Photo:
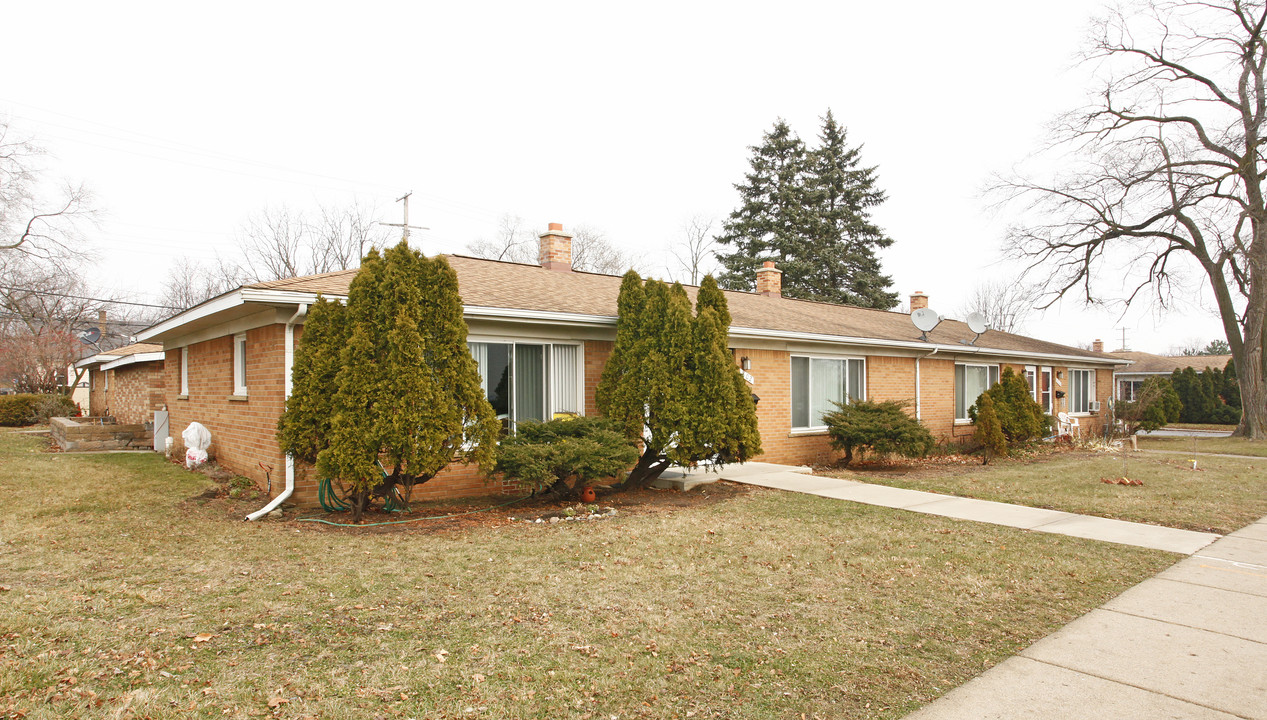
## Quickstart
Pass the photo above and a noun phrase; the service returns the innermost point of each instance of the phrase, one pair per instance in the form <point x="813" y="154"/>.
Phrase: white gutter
<point x="300" y="314"/>
<point x="96" y="360"/>
<point x="211" y="307"/>
<point x="134" y="358"/>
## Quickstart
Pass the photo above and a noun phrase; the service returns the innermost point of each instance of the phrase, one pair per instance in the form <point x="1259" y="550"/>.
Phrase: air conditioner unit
<point x="1094" y="406"/>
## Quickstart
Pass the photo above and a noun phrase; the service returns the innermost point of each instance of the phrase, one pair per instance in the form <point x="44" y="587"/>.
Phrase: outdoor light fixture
<point x="745" y="363"/>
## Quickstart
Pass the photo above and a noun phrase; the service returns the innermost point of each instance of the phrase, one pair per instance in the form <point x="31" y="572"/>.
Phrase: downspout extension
<point x="285" y="494"/>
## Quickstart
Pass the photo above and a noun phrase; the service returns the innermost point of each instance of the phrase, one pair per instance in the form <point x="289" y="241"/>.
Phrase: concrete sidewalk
<point x="798" y="479"/>
<point x="1189" y="643"/>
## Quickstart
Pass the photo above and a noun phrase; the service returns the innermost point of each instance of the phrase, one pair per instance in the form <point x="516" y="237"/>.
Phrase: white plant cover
<point x="197" y="439"/>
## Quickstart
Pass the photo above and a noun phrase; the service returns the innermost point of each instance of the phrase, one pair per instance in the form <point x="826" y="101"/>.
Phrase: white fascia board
<point x="134" y="358"/>
<point x="95" y="360"/>
<point x="538" y="316"/>
<point x="912" y="345"/>
<point x="211" y="307"/>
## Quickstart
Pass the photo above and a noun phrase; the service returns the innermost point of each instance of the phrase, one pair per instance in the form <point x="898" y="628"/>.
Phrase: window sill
<point x="799" y="432"/>
<point x="238" y="398"/>
<point x="182" y="397"/>
<point x="964" y="422"/>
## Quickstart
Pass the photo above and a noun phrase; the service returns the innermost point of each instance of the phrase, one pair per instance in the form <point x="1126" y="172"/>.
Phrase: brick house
<point x="1128" y="379"/>
<point x="127" y="383"/>
<point x="542" y="333"/>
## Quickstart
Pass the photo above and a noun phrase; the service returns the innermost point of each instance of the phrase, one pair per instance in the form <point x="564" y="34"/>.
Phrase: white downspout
<point x="299" y="315"/>
<point x="918" y="408"/>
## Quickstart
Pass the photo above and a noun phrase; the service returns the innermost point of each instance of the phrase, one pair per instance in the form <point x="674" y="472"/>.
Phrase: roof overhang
<point x="134" y="358"/>
<point x="97" y="359"/>
<point x="235" y="304"/>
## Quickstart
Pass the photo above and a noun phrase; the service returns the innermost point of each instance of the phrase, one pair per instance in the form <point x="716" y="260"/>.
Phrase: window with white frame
<point x="970" y="381"/>
<point x="1081" y="390"/>
<point x="530" y="381"/>
<point x="184" y="371"/>
<point x="818" y="383"/>
<point x="1128" y="390"/>
<point x="239" y="364"/>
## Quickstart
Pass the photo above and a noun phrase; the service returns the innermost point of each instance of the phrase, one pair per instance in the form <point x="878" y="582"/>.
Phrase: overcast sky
<point x="186" y="118"/>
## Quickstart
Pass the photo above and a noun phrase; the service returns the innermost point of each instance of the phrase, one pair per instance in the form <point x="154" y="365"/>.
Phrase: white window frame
<point x="997" y="373"/>
<point x="184" y="371"/>
<point x="809" y="383"/>
<point x="239" y="365"/>
<point x="1073" y="386"/>
<point x="548" y="343"/>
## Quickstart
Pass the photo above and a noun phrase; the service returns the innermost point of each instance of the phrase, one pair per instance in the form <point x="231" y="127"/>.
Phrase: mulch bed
<point x="479" y="512"/>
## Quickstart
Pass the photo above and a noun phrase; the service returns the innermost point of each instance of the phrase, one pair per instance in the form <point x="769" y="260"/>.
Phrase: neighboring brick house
<point x="542" y="333"/>
<point x="1128" y="379"/>
<point x="126" y="383"/>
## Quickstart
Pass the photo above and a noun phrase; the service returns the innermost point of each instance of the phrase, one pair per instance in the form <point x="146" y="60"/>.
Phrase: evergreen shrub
<point x="578" y="451"/>
<point x="883" y="428"/>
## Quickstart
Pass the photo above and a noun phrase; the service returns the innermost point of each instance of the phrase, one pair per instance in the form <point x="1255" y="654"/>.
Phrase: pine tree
<point x="770" y="223"/>
<point x="1020" y="417"/>
<point x="809" y="210"/>
<point x="303" y="427"/>
<point x="841" y="233"/>
<point x="989" y="431"/>
<point x="722" y="423"/>
<point x="671" y="382"/>
<point x="407" y="390"/>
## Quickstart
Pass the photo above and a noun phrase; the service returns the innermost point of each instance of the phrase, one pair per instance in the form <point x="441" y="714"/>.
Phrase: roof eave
<point x="134" y="358"/>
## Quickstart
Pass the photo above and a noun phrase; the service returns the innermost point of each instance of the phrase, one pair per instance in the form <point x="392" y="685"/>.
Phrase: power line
<point x="82" y="297"/>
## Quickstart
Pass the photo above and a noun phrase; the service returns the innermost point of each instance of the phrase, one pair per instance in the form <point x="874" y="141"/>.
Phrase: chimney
<point x="1097" y="345"/>
<point x="770" y="280"/>
<point x="101" y="319"/>
<point x="556" y="249"/>
<point x="919" y="300"/>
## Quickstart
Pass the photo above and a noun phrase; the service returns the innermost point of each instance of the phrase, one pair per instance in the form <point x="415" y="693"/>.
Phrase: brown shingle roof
<point x="490" y="283"/>
<point x="134" y="349"/>
<point x="1143" y="362"/>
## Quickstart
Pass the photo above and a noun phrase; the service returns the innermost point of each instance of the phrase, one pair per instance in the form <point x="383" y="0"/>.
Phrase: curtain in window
<point x="827" y="387"/>
<point x="970" y="382"/>
<point x="530" y="382"/>
<point x="855" y="380"/>
<point x="564" y="374"/>
<point x="800" y="392"/>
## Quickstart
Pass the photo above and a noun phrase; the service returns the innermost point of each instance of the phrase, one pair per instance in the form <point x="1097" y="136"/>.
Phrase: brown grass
<point x="1221" y="496"/>
<point x="126" y="598"/>
<point x="1219" y="445"/>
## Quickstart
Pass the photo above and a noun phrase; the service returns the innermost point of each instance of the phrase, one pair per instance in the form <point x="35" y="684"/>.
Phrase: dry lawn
<point x="1219" y="445"/>
<point x="1222" y="495"/>
<point x="124" y="597"/>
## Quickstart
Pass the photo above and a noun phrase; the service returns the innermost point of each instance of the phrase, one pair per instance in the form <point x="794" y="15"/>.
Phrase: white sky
<point x="186" y="118"/>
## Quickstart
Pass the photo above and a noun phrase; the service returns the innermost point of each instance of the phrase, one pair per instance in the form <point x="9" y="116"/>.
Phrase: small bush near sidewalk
<point x="124" y="598"/>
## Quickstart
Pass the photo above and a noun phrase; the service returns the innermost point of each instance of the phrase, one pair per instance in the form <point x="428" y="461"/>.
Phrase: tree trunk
<point x="649" y="467"/>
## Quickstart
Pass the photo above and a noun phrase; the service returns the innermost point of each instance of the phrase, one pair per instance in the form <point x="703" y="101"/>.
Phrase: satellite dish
<point x="90" y="336"/>
<point x="976" y="323"/>
<point x="925" y="319"/>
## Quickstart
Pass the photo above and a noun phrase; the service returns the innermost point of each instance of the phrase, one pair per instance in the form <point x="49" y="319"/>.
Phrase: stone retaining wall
<point x="76" y="434"/>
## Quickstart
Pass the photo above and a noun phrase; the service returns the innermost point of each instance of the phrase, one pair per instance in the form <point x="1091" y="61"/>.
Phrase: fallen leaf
<point x="276" y="702"/>
<point x="203" y="637"/>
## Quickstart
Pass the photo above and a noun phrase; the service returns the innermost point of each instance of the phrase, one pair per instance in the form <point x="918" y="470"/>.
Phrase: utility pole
<point x="405" y="225"/>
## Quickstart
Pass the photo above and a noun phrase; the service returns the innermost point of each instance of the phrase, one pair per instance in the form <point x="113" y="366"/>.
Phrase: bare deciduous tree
<point x="32" y="222"/>
<point x="1164" y="171"/>
<point x="515" y="242"/>
<point x="696" y="247"/>
<point x="1005" y="305"/>
<point x="279" y="242"/>
<point x="42" y="309"/>
<point x="189" y="283"/>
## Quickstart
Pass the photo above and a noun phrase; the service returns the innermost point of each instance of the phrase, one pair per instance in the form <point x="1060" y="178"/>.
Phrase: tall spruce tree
<point x="671" y="383"/>
<point x="809" y="211"/>
<point x="405" y="389"/>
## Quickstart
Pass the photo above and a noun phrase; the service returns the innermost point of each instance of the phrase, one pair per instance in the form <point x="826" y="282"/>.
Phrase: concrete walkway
<point x="798" y="479"/>
<point x="1188" y="643"/>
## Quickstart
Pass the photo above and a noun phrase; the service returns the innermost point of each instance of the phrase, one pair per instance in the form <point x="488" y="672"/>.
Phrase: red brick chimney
<point x="918" y="300"/>
<point x="556" y="249"/>
<point x="770" y="280"/>
<point x="1097" y="345"/>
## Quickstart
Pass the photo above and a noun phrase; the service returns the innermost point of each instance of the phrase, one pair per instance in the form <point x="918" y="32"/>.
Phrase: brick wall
<point x="242" y="429"/>
<point x="136" y="391"/>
